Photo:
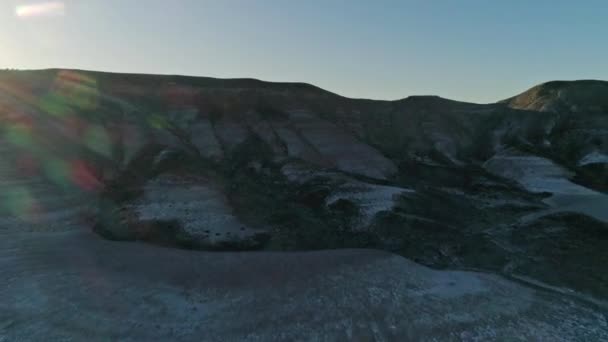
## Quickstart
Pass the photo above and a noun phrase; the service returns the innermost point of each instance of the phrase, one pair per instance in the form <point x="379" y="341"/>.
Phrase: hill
<point x="241" y="164"/>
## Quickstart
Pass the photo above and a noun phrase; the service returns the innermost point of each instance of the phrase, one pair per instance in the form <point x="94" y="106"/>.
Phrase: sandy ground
<point x="72" y="286"/>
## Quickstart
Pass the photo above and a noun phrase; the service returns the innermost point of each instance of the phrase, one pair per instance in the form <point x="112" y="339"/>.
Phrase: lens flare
<point x="77" y="89"/>
<point x="157" y="121"/>
<point x="84" y="176"/>
<point x="19" y="135"/>
<point x="43" y="9"/>
<point x="18" y="201"/>
<point x="58" y="171"/>
<point x="97" y="139"/>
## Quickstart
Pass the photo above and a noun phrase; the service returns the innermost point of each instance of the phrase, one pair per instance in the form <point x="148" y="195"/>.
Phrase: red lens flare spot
<point x="84" y="176"/>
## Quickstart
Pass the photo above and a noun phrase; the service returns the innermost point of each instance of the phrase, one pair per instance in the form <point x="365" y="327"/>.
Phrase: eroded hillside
<point x="236" y="164"/>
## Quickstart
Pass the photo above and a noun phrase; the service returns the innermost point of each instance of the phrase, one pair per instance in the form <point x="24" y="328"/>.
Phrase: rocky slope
<point x="516" y="188"/>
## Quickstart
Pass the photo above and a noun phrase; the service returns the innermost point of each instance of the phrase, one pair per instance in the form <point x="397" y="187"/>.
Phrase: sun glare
<point x="49" y="8"/>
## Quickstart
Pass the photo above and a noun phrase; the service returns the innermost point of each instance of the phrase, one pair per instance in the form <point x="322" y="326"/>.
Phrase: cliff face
<point x="244" y="164"/>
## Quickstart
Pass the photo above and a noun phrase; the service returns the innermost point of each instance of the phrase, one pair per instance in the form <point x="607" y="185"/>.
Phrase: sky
<point x="468" y="50"/>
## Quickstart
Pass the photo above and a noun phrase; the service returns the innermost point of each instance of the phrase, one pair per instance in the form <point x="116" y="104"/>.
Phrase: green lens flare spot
<point x="58" y="172"/>
<point x="18" y="201"/>
<point x="157" y="121"/>
<point x="19" y="135"/>
<point x="98" y="140"/>
<point x="54" y="104"/>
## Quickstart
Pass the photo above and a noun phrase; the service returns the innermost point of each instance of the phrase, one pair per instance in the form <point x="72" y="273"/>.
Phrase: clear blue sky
<point x="471" y="50"/>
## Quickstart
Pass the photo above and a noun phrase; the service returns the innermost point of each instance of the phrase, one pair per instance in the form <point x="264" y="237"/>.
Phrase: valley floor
<point x="74" y="286"/>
